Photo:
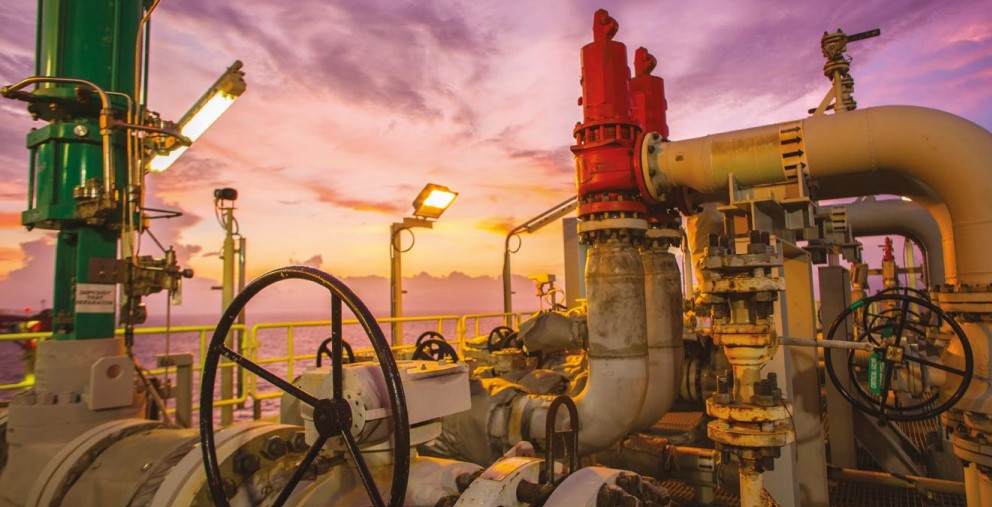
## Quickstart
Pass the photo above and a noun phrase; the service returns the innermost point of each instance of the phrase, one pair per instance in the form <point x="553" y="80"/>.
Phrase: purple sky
<point x="353" y="106"/>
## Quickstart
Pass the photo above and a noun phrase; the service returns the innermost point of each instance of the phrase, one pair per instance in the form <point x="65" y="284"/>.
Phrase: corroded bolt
<point x="722" y="384"/>
<point x="629" y="482"/>
<point x="463" y="481"/>
<point x="275" y="448"/>
<point x="300" y="441"/>
<point x="246" y="464"/>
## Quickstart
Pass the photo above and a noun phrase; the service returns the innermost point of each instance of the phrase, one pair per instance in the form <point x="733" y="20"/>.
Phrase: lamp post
<point x="533" y="225"/>
<point x="432" y="201"/>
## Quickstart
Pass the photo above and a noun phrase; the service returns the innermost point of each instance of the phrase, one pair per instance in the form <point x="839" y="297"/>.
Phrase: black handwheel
<point x="888" y="333"/>
<point x="324" y="349"/>
<point x="511" y="341"/>
<point x="332" y="416"/>
<point x="426" y="335"/>
<point x="496" y="337"/>
<point x="435" y="349"/>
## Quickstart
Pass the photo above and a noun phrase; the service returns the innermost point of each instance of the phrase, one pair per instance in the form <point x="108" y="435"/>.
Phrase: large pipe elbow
<point x="903" y="218"/>
<point x="942" y="152"/>
<point x="947" y="153"/>
<point x="611" y="400"/>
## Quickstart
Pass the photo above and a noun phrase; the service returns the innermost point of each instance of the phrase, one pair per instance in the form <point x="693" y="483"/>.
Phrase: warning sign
<point x="95" y="298"/>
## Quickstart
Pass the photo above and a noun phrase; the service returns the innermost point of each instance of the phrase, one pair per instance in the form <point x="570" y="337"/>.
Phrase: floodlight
<point x="218" y="98"/>
<point x="432" y="201"/>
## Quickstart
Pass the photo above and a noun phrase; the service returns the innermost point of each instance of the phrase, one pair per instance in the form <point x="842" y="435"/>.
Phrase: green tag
<point x="876" y="373"/>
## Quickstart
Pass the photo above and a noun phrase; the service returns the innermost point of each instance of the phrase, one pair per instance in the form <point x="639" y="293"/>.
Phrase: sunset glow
<point x="351" y="107"/>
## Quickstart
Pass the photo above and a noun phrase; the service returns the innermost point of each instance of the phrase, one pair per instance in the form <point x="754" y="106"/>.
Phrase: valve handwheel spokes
<point x="889" y="333"/>
<point x="324" y="349"/>
<point x="434" y="349"/>
<point x="428" y="335"/>
<point x="497" y="336"/>
<point x="332" y="416"/>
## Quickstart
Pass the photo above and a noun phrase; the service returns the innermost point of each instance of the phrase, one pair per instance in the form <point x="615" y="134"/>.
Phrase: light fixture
<point x="427" y="207"/>
<point x="432" y="201"/>
<point x="218" y="98"/>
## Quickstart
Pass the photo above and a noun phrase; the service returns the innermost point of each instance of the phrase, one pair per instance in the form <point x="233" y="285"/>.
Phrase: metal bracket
<point x="569" y="438"/>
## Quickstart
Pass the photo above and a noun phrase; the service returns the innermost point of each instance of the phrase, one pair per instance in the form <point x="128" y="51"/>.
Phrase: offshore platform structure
<point x="565" y="410"/>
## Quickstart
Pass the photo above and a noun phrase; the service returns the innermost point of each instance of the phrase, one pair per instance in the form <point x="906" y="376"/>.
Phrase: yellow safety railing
<point x="254" y="340"/>
<point x="204" y="333"/>
<point x="291" y="357"/>
<point x="477" y="318"/>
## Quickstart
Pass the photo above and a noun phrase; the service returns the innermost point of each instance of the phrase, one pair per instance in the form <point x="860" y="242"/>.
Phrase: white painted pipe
<point x="663" y="299"/>
<point x="612" y="398"/>
<point x="882" y="147"/>
<point x="903" y="218"/>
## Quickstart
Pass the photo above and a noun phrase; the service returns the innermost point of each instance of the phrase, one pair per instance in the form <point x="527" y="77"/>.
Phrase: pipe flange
<point x="972" y="451"/>
<point x="609" y="224"/>
<point x="739" y="285"/>
<point x="745" y="413"/>
<point x="964" y="299"/>
<point x="771" y="434"/>
<point x="655" y="182"/>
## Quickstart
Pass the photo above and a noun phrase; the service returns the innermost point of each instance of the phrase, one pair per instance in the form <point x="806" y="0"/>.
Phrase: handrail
<point x="513" y="319"/>
<point x="291" y="357"/>
<point x="253" y="342"/>
<point x="28" y="380"/>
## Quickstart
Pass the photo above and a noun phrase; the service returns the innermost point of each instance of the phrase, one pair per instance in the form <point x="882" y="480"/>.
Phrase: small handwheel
<point x="435" y="349"/>
<point x="898" y="339"/>
<point x="332" y="416"/>
<point x="496" y="338"/>
<point x="426" y="335"/>
<point x="324" y="349"/>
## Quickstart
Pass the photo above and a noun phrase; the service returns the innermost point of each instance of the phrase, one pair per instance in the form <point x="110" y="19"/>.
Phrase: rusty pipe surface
<point x="614" y="392"/>
<point x="663" y="300"/>
<point x="903" y="218"/>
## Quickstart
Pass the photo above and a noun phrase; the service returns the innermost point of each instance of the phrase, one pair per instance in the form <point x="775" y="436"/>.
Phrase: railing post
<point x="183" y="393"/>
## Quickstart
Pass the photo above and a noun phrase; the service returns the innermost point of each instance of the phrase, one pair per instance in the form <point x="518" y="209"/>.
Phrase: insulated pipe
<point x="944" y="152"/>
<point x="903" y="218"/>
<point x="663" y="298"/>
<point x="611" y="400"/>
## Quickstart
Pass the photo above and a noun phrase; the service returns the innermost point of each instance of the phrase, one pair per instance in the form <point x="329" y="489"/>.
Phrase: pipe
<point x="105" y="132"/>
<point x="947" y="153"/>
<point x="903" y="218"/>
<point x="663" y="298"/>
<point x="896" y="480"/>
<point x="612" y="398"/>
<point x="943" y="152"/>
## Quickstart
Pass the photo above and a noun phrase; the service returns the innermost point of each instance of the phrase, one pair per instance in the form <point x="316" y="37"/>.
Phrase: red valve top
<point x="605" y="74"/>
<point x="647" y="94"/>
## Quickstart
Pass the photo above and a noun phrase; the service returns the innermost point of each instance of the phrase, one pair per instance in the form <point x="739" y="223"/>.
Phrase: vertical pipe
<point x="972" y="489"/>
<point x="396" y="282"/>
<point x="507" y="285"/>
<point x="663" y="302"/>
<point x="752" y="486"/>
<point x="227" y="295"/>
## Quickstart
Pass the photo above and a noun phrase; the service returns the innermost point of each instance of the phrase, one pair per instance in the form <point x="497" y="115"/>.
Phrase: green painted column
<point x="92" y="40"/>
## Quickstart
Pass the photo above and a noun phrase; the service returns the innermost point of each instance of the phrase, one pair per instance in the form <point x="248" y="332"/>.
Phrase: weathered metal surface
<point x="749" y="413"/>
<point x="737" y="435"/>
